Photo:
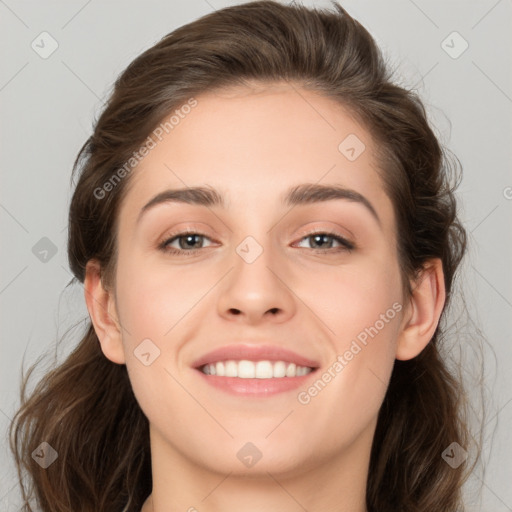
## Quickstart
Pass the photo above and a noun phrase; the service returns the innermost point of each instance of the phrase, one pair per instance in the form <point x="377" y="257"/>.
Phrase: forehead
<point x="252" y="143"/>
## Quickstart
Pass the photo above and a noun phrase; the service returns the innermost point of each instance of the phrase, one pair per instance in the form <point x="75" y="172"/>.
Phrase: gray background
<point x="47" y="109"/>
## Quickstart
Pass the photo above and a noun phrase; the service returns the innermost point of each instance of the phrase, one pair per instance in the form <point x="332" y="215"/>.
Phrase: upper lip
<point x="250" y="352"/>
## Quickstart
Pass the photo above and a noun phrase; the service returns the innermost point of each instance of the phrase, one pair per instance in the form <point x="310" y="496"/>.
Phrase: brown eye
<point x="188" y="242"/>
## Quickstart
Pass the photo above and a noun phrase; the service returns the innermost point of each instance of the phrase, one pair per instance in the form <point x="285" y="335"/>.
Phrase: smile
<point x="245" y="369"/>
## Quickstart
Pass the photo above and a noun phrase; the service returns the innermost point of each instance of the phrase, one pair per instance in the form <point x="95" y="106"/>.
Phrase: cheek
<point x="153" y="303"/>
<point x="360" y="310"/>
<point x="354" y="297"/>
<point x="153" y="299"/>
<point x="156" y="304"/>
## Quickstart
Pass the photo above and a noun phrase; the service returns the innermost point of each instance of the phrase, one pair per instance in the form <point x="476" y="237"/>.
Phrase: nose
<point x="257" y="291"/>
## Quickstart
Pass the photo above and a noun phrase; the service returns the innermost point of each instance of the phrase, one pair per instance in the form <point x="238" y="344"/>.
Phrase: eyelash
<point x="346" y="245"/>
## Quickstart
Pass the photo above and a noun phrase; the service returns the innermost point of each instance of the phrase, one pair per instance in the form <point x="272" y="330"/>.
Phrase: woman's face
<point x="258" y="278"/>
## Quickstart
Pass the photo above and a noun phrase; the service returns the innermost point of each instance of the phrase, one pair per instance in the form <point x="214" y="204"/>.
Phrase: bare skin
<point x="252" y="145"/>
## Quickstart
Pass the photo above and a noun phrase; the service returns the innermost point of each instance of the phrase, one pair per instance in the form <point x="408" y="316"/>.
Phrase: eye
<point x="189" y="242"/>
<point x="324" y="242"/>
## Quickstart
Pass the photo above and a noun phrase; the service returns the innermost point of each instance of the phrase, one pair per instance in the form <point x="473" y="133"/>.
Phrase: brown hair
<point x="85" y="408"/>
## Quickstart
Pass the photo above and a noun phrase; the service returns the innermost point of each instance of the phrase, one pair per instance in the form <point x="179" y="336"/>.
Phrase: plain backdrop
<point x="48" y="103"/>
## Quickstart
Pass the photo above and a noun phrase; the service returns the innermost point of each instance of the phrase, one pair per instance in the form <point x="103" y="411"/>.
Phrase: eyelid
<point x="335" y="229"/>
<point x="192" y="230"/>
<point x="326" y="230"/>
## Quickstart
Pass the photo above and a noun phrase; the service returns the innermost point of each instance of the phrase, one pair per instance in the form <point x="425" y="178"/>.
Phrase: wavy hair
<point x="85" y="408"/>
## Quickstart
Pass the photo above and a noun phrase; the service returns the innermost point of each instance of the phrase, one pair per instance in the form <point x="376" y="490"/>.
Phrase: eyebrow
<point x="302" y="194"/>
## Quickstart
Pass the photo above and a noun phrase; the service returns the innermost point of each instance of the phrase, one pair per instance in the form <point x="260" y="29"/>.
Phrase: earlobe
<point x="425" y="308"/>
<point x="101" y="306"/>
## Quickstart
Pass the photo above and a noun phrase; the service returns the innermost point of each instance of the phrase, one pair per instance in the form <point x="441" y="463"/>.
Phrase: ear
<point x="422" y="316"/>
<point x="102" y="308"/>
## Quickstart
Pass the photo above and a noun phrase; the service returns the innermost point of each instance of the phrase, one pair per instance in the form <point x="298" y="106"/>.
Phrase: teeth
<point x="220" y="370"/>
<point x="291" y="371"/>
<point x="263" y="370"/>
<point x="255" y="370"/>
<point x="300" y="371"/>
<point x="231" y="368"/>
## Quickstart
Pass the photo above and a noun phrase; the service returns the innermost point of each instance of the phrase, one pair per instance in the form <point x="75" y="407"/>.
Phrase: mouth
<point x="254" y="370"/>
<point x="265" y="369"/>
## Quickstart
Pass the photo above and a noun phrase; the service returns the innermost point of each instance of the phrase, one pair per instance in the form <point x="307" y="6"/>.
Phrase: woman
<point x="268" y="238"/>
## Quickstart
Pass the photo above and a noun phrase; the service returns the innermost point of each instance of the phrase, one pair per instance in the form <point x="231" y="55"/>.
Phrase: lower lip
<point x="255" y="387"/>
